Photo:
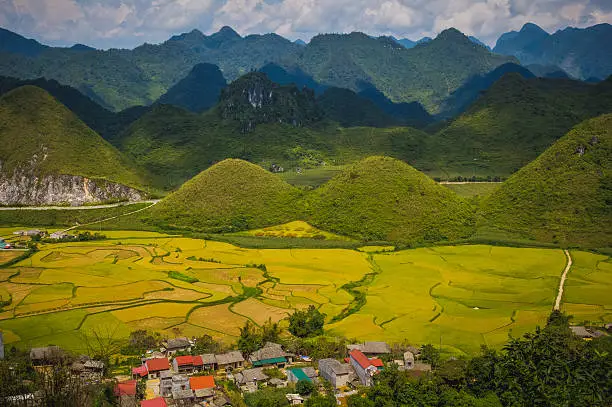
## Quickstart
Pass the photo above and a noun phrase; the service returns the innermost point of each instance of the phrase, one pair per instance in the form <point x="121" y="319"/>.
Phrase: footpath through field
<point x="563" y="278"/>
<point x="74" y="208"/>
<point x="153" y="203"/>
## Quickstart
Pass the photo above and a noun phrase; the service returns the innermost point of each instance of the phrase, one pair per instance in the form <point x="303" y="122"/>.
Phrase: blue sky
<point x="128" y="23"/>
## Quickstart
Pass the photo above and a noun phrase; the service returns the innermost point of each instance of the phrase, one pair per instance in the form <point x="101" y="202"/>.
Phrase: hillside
<point x="175" y="145"/>
<point x="565" y="195"/>
<point x="511" y="124"/>
<point x="381" y="198"/>
<point x="426" y="73"/>
<point x="198" y="91"/>
<point x="39" y="137"/>
<point x="350" y="109"/>
<point x="232" y="195"/>
<point x="124" y="78"/>
<point x="581" y="52"/>
<point x="254" y="99"/>
<point x="104" y="122"/>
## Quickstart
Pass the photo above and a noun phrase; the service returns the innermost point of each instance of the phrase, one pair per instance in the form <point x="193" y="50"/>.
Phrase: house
<point x="371" y="349"/>
<point x="47" y="355"/>
<point x="183" y="364"/>
<point x="408" y="360"/>
<point x="165" y="383"/>
<point x="180" y="388"/>
<point x="415" y="351"/>
<point x="156" y="402"/>
<point x="30" y="233"/>
<point x="335" y="372"/>
<point x="221" y="400"/>
<point x="139" y="372"/>
<point x="85" y="367"/>
<point x="582" y="332"/>
<point x="156" y="366"/>
<point x="294" y="399"/>
<point x="126" y="393"/>
<point x="363" y="366"/>
<point x="297" y="374"/>
<point x="172" y="346"/>
<point x="230" y="360"/>
<point x="59" y="235"/>
<point x="203" y="387"/>
<point x="278" y="383"/>
<point x="198" y="363"/>
<point x="209" y="362"/>
<point x="272" y="354"/>
<point x="249" y="379"/>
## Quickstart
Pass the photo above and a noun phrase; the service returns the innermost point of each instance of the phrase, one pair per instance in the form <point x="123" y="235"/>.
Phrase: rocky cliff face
<point x="25" y="188"/>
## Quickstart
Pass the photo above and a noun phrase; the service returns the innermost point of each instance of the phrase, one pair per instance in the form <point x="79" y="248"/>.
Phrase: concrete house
<point x="365" y="368"/>
<point x="165" y="383"/>
<point x="185" y="364"/>
<point x="294" y="399"/>
<point x="180" y="388"/>
<point x="408" y="360"/>
<point x="338" y="374"/>
<point x="272" y="354"/>
<point x="304" y="373"/>
<point x="230" y="360"/>
<point x="172" y="346"/>
<point x="156" y="366"/>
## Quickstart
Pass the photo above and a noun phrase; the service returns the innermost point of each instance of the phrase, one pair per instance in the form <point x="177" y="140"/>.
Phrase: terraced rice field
<point x="458" y="296"/>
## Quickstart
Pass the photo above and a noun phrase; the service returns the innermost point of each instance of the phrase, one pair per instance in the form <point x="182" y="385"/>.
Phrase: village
<point x="173" y="376"/>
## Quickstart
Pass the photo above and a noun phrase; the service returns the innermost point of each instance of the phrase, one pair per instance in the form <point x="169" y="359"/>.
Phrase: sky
<point x="129" y="23"/>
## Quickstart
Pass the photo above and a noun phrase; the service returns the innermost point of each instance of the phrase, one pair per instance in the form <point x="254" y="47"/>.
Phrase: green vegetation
<point x="510" y="125"/>
<point x="478" y="190"/>
<point x="39" y="135"/>
<point x="564" y="196"/>
<point x="230" y="196"/>
<point x="183" y="277"/>
<point x="384" y="199"/>
<point x="549" y="367"/>
<point x="307" y="323"/>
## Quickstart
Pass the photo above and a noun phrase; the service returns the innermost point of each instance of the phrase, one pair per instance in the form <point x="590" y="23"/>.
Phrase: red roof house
<point x="364" y="367"/>
<point x="360" y="358"/>
<point x="198" y="361"/>
<point x="157" y="365"/>
<point x="377" y="363"/>
<point x="127" y="388"/>
<point x="156" y="402"/>
<point x="140" y="371"/>
<point x="201" y="382"/>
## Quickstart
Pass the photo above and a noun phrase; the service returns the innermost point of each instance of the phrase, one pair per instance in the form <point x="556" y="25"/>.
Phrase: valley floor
<point x="456" y="296"/>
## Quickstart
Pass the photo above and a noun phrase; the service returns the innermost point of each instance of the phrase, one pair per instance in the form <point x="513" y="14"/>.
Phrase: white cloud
<point x="107" y="23"/>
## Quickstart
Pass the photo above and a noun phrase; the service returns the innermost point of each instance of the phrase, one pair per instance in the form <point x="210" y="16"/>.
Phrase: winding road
<point x="153" y="203"/>
<point x="74" y="208"/>
<point x="563" y="278"/>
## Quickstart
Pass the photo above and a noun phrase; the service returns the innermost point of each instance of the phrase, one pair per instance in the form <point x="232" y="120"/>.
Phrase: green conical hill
<point x="382" y="198"/>
<point x="565" y="195"/>
<point x="229" y="196"/>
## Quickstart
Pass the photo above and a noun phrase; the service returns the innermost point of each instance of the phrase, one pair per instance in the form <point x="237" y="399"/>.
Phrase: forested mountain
<point x="581" y="52"/>
<point x="198" y="91"/>
<point x="106" y="123"/>
<point x="350" y="109"/>
<point x="514" y="121"/>
<point x="124" y="78"/>
<point x="16" y="44"/>
<point x="565" y="194"/>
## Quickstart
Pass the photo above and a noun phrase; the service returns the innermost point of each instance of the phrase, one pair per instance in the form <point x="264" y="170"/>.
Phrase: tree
<point x="430" y="354"/>
<point x="250" y="339"/>
<point x="304" y="387"/>
<point x="206" y="344"/>
<point x="270" y="331"/>
<point x="307" y="323"/>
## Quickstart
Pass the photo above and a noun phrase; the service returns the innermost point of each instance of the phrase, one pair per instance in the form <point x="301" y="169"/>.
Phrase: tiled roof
<point x="208" y="359"/>
<point x="201" y="382"/>
<point x="250" y="375"/>
<point x="155" y="365"/>
<point x="140" y="371"/>
<point x="229" y="357"/>
<point x="127" y="388"/>
<point x="197" y="361"/>
<point x="376" y="362"/>
<point x="334" y="366"/>
<point x="360" y="358"/>
<point x="177" y="343"/>
<point x="184" y="360"/>
<point x="156" y="402"/>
